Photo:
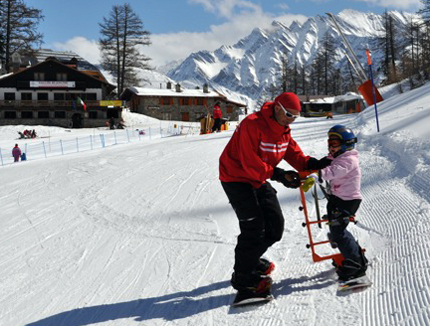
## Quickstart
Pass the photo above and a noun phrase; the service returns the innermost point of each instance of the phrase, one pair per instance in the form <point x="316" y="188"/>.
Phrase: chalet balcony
<point x="43" y="104"/>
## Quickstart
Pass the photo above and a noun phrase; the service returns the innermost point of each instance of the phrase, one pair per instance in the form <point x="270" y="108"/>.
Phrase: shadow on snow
<point x="177" y="305"/>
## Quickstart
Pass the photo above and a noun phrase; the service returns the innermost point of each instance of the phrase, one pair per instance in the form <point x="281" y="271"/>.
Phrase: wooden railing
<point x="43" y="103"/>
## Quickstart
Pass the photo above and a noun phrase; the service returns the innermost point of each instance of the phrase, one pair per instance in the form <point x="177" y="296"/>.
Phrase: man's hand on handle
<point x="289" y="179"/>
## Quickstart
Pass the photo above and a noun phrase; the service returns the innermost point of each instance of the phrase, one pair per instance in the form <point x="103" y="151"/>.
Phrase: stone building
<point x="179" y="104"/>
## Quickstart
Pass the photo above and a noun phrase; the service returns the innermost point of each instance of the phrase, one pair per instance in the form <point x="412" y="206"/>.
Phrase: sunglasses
<point x="288" y="114"/>
<point x="334" y="142"/>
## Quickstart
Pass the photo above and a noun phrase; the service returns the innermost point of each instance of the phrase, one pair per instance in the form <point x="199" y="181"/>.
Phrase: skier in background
<point x="257" y="146"/>
<point x="216" y="114"/>
<point x="16" y="153"/>
<point x="344" y="177"/>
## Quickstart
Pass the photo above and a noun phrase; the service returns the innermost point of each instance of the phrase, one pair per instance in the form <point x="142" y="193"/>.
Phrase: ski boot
<point x="252" y="288"/>
<point x="265" y="267"/>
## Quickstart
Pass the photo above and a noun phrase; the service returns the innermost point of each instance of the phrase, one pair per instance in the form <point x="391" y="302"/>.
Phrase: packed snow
<point x="142" y="233"/>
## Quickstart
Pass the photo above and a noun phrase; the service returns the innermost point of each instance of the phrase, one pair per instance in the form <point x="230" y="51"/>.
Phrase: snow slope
<point x="142" y="234"/>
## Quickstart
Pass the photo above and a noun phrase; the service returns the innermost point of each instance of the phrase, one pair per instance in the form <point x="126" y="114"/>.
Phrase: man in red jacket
<point x="257" y="146"/>
<point x="216" y="114"/>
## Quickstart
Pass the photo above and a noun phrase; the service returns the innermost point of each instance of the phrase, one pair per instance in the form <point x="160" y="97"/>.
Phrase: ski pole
<point x="369" y="60"/>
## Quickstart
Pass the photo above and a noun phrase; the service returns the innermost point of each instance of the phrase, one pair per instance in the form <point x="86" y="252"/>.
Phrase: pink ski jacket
<point x="344" y="175"/>
<point x="16" y="151"/>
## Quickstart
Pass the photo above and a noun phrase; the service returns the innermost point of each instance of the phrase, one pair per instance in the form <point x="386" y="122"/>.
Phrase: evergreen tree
<point x="327" y="53"/>
<point x="424" y="38"/>
<point x="388" y="43"/>
<point x="123" y="35"/>
<point x="18" y="30"/>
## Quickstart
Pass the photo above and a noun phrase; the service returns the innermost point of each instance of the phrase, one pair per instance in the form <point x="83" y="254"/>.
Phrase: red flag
<point x="369" y="59"/>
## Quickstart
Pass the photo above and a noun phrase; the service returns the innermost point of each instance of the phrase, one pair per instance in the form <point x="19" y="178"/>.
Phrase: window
<point x="60" y="114"/>
<point x="200" y="101"/>
<point x="27" y="115"/>
<point x="59" y="96"/>
<point x="10" y="115"/>
<point x="43" y="115"/>
<point x="26" y="96"/>
<point x="42" y="96"/>
<point x="92" y="114"/>
<point x="91" y="96"/>
<point x="185" y="116"/>
<point x="9" y="96"/>
<point x="61" y="77"/>
<point x="165" y="101"/>
<point x="39" y="76"/>
<point x="184" y="101"/>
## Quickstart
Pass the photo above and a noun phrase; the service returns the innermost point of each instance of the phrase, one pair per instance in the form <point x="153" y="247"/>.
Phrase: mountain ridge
<point x="253" y="63"/>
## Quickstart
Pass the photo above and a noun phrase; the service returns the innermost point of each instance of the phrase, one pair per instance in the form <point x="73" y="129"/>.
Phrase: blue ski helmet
<point x="346" y="136"/>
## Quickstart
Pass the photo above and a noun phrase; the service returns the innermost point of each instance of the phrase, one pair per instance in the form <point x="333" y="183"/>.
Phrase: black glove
<point x="314" y="164"/>
<point x="289" y="179"/>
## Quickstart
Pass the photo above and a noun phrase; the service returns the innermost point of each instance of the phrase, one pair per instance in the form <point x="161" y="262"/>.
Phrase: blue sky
<point x="180" y="27"/>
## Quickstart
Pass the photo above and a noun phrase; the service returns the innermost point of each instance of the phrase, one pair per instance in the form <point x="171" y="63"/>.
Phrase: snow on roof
<point x="6" y="75"/>
<point x="348" y="97"/>
<point x="172" y="92"/>
<point x="340" y="98"/>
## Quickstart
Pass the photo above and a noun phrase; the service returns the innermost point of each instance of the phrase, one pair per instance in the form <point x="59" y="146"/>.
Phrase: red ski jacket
<point x="216" y="112"/>
<point x="257" y="146"/>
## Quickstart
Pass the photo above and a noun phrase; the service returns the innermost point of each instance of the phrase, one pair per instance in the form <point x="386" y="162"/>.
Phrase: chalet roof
<point x="165" y="92"/>
<point x="172" y="92"/>
<point x="56" y="61"/>
<point x="335" y="99"/>
<point x="6" y="75"/>
<point x="65" y="57"/>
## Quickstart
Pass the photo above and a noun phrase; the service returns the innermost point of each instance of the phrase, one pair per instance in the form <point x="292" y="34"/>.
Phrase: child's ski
<point x="355" y="284"/>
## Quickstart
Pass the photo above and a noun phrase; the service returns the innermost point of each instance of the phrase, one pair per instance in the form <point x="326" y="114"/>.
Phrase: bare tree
<point x="18" y="29"/>
<point x="390" y="48"/>
<point x="123" y="37"/>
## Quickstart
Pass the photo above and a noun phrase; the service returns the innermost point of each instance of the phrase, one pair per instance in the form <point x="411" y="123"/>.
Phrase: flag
<point x="79" y="100"/>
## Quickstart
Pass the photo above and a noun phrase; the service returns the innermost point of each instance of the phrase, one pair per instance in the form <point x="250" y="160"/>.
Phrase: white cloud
<point x="397" y="4"/>
<point x="242" y="17"/>
<point x="87" y="49"/>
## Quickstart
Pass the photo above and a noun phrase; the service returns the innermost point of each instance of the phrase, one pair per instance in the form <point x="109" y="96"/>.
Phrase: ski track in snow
<point x="144" y="235"/>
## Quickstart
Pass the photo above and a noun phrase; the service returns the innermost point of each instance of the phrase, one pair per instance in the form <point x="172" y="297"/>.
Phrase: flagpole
<point x="369" y="61"/>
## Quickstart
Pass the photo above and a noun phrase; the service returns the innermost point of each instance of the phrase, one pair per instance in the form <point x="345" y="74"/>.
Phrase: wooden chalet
<point x="49" y="93"/>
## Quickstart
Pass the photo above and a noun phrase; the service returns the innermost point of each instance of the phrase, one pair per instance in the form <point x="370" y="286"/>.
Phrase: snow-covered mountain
<point x="254" y="62"/>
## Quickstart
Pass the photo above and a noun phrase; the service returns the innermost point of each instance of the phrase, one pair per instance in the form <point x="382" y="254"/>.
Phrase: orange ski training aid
<point x="338" y="257"/>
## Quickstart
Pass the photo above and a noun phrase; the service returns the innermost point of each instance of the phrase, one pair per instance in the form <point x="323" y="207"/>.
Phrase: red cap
<point x="288" y="101"/>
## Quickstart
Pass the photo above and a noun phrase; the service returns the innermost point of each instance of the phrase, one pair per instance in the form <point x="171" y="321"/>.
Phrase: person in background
<point x="260" y="142"/>
<point x="112" y="123"/>
<point x="217" y="117"/>
<point x="16" y="153"/>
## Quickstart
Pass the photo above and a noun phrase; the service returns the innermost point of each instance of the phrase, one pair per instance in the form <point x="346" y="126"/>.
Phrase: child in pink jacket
<point x="344" y="176"/>
<point x="16" y="153"/>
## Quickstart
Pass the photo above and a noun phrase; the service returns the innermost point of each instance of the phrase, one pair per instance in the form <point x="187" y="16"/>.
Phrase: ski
<point x="355" y="284"/>
<point x="249" y="298"/>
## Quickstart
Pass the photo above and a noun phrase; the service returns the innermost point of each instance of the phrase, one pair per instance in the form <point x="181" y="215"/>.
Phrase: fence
<point x="50" y="148"/>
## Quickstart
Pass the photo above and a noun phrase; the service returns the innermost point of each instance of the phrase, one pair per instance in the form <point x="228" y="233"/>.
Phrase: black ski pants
<point x="260" y="220"/>
<point x="217" y="125"/>
<point x="339" y="211"/>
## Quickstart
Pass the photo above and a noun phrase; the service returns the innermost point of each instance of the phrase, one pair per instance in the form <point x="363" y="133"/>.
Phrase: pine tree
<point x="424" y="38"/>
<point x="123" y="35"/>
<point x="18" y="30"/>
<point x="327" y="53"/>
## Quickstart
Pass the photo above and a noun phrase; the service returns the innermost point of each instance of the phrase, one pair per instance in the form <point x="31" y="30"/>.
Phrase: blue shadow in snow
<point x="168" y="307"/>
